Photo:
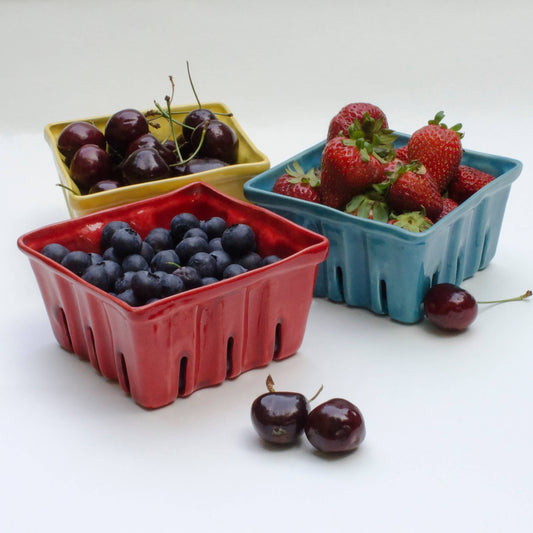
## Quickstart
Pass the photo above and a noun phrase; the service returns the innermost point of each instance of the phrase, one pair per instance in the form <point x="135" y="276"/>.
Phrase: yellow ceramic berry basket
<point x="229" y="179"/>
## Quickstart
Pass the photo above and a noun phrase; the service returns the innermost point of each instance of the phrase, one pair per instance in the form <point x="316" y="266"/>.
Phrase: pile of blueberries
<point x="189" y="254"/>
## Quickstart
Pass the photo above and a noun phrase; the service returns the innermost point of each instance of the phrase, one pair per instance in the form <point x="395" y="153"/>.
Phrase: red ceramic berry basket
<point x="195" y="339"/>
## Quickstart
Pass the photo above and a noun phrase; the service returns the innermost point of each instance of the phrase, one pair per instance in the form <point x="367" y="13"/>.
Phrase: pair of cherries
<point x="334" y="426"/>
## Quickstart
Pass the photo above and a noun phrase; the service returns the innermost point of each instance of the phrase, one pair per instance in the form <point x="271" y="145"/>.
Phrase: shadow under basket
<point x="385" y="268"/>
<point x="194" y="339"/>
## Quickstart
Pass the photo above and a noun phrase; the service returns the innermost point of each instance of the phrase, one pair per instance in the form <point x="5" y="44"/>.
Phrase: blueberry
<point x="251" y="260"/>
<point x="189" y="276"/>
<point x="124" y="282"/>
<point x="95" y="258"/>
<point x="160" y="239"/>
<point x="188" y="247"/>
<point x="145" y="285"/>
<point x="215" y="244"/>
<point x="165" y="260"/>
<point x="170" y="284"/>
<point x="77" y="262"/>
<point x="54" y="251"/>
<point x="134" y="262"/>
<point x="269" y="259"/>
<point x="222" y="260"/>
<point x="97" y="275"/>
<point x="209" y="281"/>
<point x="126" y="241"/>
<point x="233" y="270"/>
<point x="204" y="263"/>
<point x="114" y="270"/>
<point x="238" y="239"/>
<point x="196" y="232"/>
<point x="110" y="255"/>
<point x="129" y="297"/>
<point x="147" y="251"/>
<point x="109" y="229"/>
<point x="214" y="226"/>
<point x="181" y="223"/>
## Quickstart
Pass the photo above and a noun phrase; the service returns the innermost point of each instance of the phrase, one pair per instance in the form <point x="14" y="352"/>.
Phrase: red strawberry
<point x="413" y="189"/>
<point x="438" y="148"/>
<point x="415" y="221"/>
<point x="402" y="154"/>
<point x="352" y="165"/>
<point x="299" y="184"/>
<point x="401" y="159"/>
<point x="448" y="205"/>
<point x="467" y="181"/>
<point x="345" y="117"/>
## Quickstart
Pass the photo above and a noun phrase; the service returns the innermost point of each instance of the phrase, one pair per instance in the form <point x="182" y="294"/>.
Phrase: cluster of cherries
<point x="127" y="152"/>
<point x="191" y="253"/>
<point x="334" y="426"/>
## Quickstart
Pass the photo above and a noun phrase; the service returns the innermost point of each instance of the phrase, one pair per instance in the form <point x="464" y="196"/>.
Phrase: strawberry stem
<point x="527" y="294"/>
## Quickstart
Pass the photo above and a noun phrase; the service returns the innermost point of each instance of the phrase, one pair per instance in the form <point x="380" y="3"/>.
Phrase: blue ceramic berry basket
<point x="385" y="268"/>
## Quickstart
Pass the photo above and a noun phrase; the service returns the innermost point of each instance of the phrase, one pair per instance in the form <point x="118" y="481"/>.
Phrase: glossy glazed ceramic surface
<point x="387" y="269"/>
<point x="230" y="179"/>
<point x="195" y="339"/>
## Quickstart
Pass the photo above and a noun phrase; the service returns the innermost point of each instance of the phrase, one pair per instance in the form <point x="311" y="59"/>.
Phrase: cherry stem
<point x="195" y="153"/>
<point x="527" y="294"/>
<point x="316" y="393"/>
<point x="192" y="85"/>
<point x="270" y="387"/>
<point x="168" y="116"/>
<point x="67" y="188"/>
<point x="172" y="131"/>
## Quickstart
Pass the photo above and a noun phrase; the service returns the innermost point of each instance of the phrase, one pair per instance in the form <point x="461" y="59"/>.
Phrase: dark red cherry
<point x="89" y="165"/>
<point x="279" y="417"/>
<point x="219" y="141"/>
<point x="105" y="185"/>
<point x="76" y="135"/>
<point x="450" y="307"/>
<point x="200" y="164"/>
<point x="194" y="118"/>
<point x="150" y="141"/>
<point x="335" y="426"/>
<point x="144" y="165"/>
<point x="124" y="127"/>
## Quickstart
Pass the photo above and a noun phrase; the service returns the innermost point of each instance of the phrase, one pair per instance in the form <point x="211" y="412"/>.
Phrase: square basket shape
<point x="194" y="339"/>
<point x="388" y="269"/>
<point x="228" y="179"/>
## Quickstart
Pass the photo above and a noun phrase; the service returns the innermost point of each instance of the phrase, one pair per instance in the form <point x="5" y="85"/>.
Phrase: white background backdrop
<point x="449" y="427"/>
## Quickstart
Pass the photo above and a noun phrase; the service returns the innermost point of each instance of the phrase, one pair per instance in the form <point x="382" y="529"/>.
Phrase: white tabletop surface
<point x="449" y="417"/>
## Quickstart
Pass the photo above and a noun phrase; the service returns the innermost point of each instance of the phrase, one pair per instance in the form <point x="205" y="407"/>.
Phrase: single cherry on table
<point x="451" y="308"/>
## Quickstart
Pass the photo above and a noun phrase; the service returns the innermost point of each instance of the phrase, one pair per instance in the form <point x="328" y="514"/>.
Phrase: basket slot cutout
<point x="182" y="379"/>
<point x="383" y="295"/>
<point x="92" y="349"/>
<point x="62" y="319"/>
<point x="277" y="340"/>
<point x="459" y="271"/>
<point x="340" y="281"/>
<point x="124" y="372"/>
<point x="229" y="357"/>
